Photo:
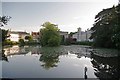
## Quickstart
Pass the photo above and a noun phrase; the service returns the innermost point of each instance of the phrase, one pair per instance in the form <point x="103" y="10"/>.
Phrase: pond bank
<point x="105" y="52"/>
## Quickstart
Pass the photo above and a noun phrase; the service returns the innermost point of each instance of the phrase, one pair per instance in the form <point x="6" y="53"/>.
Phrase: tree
<point x="3" y="33"/>
<point x="49" y="35"/>
<point x="106" y="30"/>
<point x="29" y="38"/>
<point x="4" y="20"/>
<point x="21" y="42"/>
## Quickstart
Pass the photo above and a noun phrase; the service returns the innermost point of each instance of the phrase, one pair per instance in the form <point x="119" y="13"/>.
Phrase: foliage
<point x="84" y="43"/>
<point x="29" y="38"/>
<point x="68" y="41"/>
<point x="31" y="43"/>
<point x="106" y="29"/>
<point x="8" y="42"/>
<point x="49" y="35"/>
<point x="3" y="35"/>
<point x="4" y="20"/>
<point x="21" y="42"/>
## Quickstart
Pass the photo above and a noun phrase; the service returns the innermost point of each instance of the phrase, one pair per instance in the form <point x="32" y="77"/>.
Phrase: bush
<point x="8" y="42"/>
<point x="21" y="42"/>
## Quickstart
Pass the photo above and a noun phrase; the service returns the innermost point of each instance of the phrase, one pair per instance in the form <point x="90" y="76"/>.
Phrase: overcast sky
<point x="28" y="16"/>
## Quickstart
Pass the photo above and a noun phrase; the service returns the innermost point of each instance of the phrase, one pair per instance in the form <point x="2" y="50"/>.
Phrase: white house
<point x="16" y="35"/>
<point x="82" y="36"/>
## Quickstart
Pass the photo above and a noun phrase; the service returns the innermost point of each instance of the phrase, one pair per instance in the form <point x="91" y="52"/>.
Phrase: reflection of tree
<point x="105" y="67"/>
<point x="49" y="57"/>
<point x="49" y="60"/>
<point x="4" y="57"/>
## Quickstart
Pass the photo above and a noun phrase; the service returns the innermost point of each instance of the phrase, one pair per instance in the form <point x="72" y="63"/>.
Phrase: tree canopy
<point x="4" y="20"/>
<point x="29" y="38"/>
<point x="3" y="33"/>
<point x="49" y="35"/>
<point x="106" y="29"/>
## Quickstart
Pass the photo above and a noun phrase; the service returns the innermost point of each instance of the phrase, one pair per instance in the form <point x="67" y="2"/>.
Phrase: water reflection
<point x="50" y="56"/>
<point x="63" y="61"/>
<point x="3" y="57"/>
<point x="105" y="67"/>
<point x="49" y="60"/>
<point x="15" y="50"/>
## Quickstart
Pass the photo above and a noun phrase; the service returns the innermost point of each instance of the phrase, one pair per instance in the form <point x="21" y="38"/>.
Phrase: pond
<point x="75" y="61"/>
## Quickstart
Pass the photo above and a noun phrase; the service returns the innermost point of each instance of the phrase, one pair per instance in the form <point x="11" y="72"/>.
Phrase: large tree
<point x="49" y="35"/>
<point x="3" y="33"/>
<point x="106" y="29"/>
<point x="4" y="20"/>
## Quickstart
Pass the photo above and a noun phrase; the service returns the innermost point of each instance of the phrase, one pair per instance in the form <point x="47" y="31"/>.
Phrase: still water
<point x="56" y="62"/>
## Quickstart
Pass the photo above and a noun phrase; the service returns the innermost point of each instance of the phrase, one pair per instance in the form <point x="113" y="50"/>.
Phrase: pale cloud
<point x="77" y="17"/>
<point x="69" y="27"/>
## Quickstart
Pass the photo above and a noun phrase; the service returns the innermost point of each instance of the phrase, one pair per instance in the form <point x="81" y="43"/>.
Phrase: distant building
<point x="64" y="35"/>
<point x="82" y="36"/>
<point x="16" y="35"/>
<point x="35" y="36"/>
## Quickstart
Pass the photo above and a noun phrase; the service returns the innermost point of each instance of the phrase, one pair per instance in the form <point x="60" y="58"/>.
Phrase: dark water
<point x="56" y="62"/>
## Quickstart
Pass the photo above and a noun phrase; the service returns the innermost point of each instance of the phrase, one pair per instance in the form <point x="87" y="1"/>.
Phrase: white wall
<point x="81" y="36"/>
<point x="14" y="37"/>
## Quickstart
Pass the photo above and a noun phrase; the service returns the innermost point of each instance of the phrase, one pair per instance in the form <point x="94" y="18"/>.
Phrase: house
<point x="64" y="35"/>
<point x="35" y="36"/>
<point x="16" y="35"/>
<point x="82" y="35"/>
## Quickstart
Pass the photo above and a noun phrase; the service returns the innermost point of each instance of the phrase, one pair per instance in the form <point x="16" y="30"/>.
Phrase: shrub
<point x="21" y="42"/>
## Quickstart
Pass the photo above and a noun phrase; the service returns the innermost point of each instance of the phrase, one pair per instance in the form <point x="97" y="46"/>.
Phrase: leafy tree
<point x="106" y="29"/>
<point x="49" y="35"/>
<point x="3" y="33"/>
<point x="21" y="42"/>
<point x="4" y="20"/>
<point x="29" y="38"/>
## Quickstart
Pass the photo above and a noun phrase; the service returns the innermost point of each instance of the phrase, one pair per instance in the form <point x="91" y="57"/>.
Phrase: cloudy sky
<point x="68" y="14"/>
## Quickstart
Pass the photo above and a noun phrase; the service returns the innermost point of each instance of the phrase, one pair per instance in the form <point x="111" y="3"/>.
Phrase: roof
<point x="35" y="33"/>
<point x="18" y="32"/>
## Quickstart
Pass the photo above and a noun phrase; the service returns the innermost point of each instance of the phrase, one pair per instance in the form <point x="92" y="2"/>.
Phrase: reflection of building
<point x="16" y="35"/>
<point x="16" y="50"/>
<point x="82" y="36"/>
<point x="35" y="36"/>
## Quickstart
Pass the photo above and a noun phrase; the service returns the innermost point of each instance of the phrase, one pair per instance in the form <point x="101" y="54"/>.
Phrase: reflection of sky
<point x="31" y="67"/>
<point x="69" y="66"/>
<point x="68" y="16"/>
